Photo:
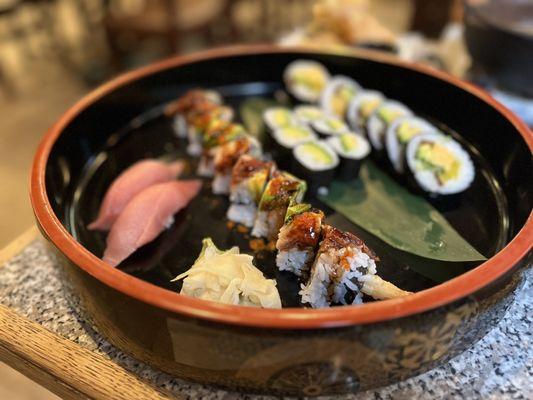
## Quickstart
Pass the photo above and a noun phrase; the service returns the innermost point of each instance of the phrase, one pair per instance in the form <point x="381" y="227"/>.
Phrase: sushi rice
<point x="244" y="214"/>
<point x="249" y="177"/>
<point x="179" y="125"/>
<point x="292" y="260"/>
<point x="347" y="290"/>
<point x="282" y="190"/>
<point x="298" y="238"/>
<point x="206" y="165"/>
<point x="227" y="155"/>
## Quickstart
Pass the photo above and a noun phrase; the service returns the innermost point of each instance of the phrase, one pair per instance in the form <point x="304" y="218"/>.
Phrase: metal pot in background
<point x="499" y="36"/>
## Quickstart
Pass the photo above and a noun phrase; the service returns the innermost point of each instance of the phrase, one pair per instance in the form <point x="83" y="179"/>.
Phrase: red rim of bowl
<point x="288" y="318"/>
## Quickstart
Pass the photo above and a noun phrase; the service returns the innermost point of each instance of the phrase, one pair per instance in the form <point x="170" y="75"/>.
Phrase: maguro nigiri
<point x="132" y="181"/>
<point x="146" y="216"/>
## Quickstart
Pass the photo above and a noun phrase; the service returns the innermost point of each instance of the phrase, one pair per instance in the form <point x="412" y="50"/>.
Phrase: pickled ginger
<point x="228" y="277"/>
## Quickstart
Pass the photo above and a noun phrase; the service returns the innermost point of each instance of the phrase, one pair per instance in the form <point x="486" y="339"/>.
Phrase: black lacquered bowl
<point x="293" y="351"/>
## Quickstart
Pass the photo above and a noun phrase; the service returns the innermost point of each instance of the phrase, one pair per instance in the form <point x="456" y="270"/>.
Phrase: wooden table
<point x="45" y="335"/>
<point x="63" y="367"/>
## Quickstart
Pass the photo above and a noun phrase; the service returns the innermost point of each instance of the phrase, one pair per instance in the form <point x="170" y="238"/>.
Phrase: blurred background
<point x="54" y="51"/>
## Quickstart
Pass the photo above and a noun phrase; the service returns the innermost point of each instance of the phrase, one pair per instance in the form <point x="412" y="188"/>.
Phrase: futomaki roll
<point x="381" y="119"/>
<point x="282" y="190"/>
<point x="305" y="80"/>
<point x="226" y="157"/>
<point x="439" y="164"/>
<point x="361" y="108"/>
<point x="188" y="103"/>
<point x="315" y="162"/>
<point x="336" y="275"/>
<point x="216" y="134"/>
<point x="221" y="132"/>
<point x="351" y="149"/>
<point x="400" y="133"/>
<point x="338" y="94"/>
<point x="248" y="180"/>
<point x="298" y="238"/>
<point x="199" y="122"/>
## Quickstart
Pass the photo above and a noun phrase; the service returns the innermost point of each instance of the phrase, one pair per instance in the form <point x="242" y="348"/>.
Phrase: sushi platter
<point x="220" y="214"/>
<point x="321" y="131"/>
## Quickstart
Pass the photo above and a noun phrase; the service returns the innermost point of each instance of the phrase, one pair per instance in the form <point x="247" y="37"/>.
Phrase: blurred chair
<point x="174" y="24"/>
<point x="169" y="23"/>
<point x="8" y="11"/>
<point x="431" y="16"/>
<point x="280" y="16"/>
<point x="23" y="18"/>
<point x="5" y="84"/>
<point x="20" y="22"/>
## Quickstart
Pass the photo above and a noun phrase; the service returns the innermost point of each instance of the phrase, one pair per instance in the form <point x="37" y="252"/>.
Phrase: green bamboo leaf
<point x="251" y="112"/>
<point x="382" y="207"/>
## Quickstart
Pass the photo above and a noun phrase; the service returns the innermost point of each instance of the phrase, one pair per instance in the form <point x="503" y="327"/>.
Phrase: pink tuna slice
<point x="132" y="181"/>
<point x="146" y="216"/>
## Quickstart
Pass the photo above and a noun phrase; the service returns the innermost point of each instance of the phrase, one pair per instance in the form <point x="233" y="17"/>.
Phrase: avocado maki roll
<point x="338" y="94"/>
<point x="287" y="138"/>
<point x="306" y="114"/>
<point x="249" y="177"/>
<point x="352" y="149"/>
<point x="298" y="238"/>
<point x="226" y="157"/>
<point x="315" y="162"/>
<point x="329" y="125"/>
<point x="305" y="80"/>
<point x="278" y="117"/>
<point x="381" y="119"/>
<point x="336" y="276"/>
<point x="189" y="103"/>
<point x="439" y="164"/>
<point x="400" y="133"/>
<point x="282" y="190"/>
<point x="361" y="108"/>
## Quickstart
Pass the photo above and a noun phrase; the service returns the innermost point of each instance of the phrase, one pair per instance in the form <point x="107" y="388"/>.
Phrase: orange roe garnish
<point x="344" y="262"/>
<point x="230" y="224"/>
<point x="242" y="228"/>
<point x="257" y="244"/>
